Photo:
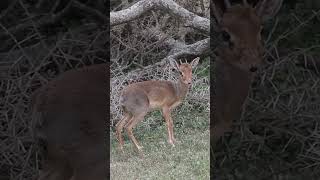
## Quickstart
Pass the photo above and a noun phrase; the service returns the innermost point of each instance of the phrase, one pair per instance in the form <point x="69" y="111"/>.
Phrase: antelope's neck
<point x="181" y="89"/>
<point x="226" y="56"/>
<point x="231" y="90"/>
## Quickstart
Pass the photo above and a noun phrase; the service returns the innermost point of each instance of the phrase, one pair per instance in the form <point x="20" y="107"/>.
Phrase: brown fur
<point x="238" y="59"/>
<point x="72" y="124"/>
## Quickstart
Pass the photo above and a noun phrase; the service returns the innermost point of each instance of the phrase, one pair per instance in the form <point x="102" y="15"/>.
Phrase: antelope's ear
<point x="267" y="9"/>
<point x="217" y="8"/>
<point x="174" y="64"/>
<point x="195" y="62"/>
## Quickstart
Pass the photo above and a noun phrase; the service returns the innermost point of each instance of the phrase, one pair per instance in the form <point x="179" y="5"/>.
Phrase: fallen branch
<point x="135" y="11"/>
<point x="180" y="48"/>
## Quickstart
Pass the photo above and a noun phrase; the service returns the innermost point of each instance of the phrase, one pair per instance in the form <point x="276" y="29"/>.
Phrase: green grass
<point x="189" y="159"/>
<point x="203" y="69"/>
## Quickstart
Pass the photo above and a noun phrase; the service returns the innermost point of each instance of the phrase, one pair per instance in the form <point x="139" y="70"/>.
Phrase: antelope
<point x="238" y="58"/>
<point x="69" y="118"/>
<point x="138" y="99"/>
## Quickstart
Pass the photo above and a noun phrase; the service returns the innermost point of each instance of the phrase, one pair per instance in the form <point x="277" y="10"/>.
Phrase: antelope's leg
<point x="119" y="128"/>
<point x="167" y="117"/>
<point x="130" y="125"/>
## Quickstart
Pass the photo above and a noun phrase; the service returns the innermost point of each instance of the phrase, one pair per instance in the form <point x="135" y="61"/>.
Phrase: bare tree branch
<point x="180" y="48"/>
<point x="135" y="11"/>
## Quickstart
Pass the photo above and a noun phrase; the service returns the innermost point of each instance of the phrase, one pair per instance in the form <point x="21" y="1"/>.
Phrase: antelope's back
<point x="73" y="112"/>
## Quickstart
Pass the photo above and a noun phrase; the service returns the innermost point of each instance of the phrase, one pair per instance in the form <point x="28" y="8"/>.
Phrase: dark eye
<point x="253" y="69"/>
<point x="225" y="36"/>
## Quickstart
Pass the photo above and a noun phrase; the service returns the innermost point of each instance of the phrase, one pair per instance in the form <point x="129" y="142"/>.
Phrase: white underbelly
<point x="157" y="105"/>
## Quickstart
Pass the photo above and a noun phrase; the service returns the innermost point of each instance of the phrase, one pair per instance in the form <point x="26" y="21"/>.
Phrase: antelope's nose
<point x="190" y="81"/>
<point x="253" y="69"/>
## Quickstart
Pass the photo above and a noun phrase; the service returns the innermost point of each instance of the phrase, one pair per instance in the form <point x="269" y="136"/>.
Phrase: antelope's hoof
<point x="121" y="149"/>
<point x="172" y="143"/>
<point x="139" y="148"/>
<point x="141" y="154"/>
<point x="174" y="140"/>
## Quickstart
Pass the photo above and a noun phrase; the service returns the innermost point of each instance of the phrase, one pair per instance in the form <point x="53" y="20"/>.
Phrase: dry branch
<point x="135" y="11"/>
<point x="189" y="19"/>
<point x="180" y="48"/>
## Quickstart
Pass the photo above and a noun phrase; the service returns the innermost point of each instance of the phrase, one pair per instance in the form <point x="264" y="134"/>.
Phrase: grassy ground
<point x="189" y="159"/>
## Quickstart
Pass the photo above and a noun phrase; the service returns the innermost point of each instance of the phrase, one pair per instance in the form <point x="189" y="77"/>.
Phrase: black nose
<point x="253" y="69"/>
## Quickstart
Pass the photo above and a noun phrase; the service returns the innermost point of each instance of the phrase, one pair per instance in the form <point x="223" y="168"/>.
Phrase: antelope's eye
<point x="226" y="36"/>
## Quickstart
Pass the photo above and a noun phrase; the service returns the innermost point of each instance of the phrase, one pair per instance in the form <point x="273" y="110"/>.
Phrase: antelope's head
<point x="241" y="26"/>
<point x="185" y="69"/>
